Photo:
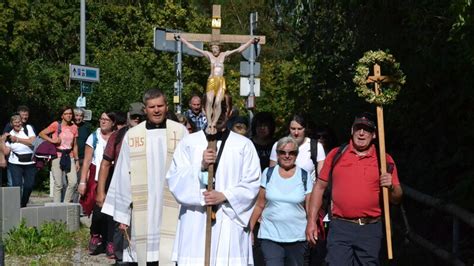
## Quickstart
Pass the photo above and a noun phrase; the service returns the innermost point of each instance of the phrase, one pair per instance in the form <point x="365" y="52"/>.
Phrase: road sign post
<point x="161" y="44"/>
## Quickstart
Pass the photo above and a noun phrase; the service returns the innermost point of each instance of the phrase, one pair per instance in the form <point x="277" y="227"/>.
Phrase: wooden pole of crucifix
<point x="215" y="90"/>
<point x="377" y="79"/>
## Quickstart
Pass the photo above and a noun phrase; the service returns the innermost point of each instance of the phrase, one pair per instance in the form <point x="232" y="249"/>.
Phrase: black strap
<point x="225" y="135"/>
<point x="313" y="144"/>
<point x="328" y="191"/>
<point x="59" y="130"/>
<point x="269" y="173"/>
<point x="304" y="178"/>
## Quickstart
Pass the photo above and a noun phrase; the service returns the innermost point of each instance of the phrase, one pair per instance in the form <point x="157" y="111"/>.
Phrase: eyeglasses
<point x="288" y="153"/>
<point x="105" y="119"/>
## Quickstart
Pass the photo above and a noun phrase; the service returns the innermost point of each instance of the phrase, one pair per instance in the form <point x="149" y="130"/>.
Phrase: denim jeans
<point x="283" y="254"/>
<point x="9" y="178"/>
<point x="23" y="176"/>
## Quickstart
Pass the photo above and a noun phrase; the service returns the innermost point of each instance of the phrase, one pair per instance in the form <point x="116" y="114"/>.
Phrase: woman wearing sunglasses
<point x="298" y="131"/>
<point x="284" y="192"/>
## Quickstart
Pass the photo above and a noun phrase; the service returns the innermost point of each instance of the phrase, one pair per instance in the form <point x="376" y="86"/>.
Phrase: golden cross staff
<point x="377" y="79"/>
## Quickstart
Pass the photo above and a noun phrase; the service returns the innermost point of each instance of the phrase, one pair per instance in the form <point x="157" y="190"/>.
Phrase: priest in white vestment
<point x="135" y="196"/>
<point x="237" y="181"/>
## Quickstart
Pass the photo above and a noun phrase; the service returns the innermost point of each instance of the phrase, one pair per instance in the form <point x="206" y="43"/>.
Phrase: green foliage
<point x="462" y="29"/>
<point x="50" y="237"/>
<point x="323" y="42"/>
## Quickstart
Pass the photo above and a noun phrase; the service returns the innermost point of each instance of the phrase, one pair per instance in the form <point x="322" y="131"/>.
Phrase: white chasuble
<point x="238" y="177"/>
<point x="135" y="195"/>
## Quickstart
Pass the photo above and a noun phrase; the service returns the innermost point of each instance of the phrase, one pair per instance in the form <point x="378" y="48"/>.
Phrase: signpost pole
<point x="83" y="32"/>
<point x="251" y="97"/>
<point x="83" y="41"/>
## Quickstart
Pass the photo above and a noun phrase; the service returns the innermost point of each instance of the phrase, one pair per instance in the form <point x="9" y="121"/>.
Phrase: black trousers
<point x="102" y="224"/>
<point x="353" y="244"/>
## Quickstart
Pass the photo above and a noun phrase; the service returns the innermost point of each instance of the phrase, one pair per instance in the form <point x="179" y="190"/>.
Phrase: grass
<point x="25" y="240"/>
<point x="50" y="244"/>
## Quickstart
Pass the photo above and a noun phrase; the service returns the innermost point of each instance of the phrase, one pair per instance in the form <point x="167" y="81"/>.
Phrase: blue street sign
<point x="86" y="87"/>
<point x="84" y="73"/>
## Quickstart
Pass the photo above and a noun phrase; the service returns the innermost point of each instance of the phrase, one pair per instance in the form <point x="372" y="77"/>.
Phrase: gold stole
<point x="139" y="179"/>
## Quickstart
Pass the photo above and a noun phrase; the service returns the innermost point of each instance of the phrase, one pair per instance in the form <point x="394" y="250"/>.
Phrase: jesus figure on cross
<point x="215" y="89"/>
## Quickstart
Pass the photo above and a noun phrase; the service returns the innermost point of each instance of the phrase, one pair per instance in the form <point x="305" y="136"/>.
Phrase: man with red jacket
<point x="356" y="229"/>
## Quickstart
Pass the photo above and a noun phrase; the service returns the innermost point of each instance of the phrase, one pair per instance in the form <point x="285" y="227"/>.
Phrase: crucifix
<point x="377" y="79"/>
<point x="215" y="90"/>
<point x="216" y="35"/>
<point x="216" y="83"/>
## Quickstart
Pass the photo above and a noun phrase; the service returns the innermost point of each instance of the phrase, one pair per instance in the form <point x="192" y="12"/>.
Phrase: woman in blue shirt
<point x="284" y="192"/>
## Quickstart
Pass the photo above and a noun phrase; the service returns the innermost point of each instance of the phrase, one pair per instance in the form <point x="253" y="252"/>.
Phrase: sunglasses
<point x="289" y="153"/>
<point x="135" y="117"/>
<point x="364" y="127"/>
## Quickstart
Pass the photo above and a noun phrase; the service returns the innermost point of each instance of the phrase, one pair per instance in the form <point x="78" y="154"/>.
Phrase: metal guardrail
<point x="458" y="214"/>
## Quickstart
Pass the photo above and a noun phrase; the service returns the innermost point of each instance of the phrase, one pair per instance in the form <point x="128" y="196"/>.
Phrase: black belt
<point x="359" y="221"/>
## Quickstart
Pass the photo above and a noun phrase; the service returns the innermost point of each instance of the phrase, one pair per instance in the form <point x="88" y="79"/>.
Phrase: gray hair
<point x="286" y="140"/>
<point x="79" y="111"/>
<point x="153" y="94"/>
<point x="14" y="117"/>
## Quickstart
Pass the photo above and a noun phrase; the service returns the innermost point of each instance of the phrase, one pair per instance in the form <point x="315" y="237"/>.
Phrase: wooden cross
<point x="216" y="35"/>
<point x="377" y="79"/>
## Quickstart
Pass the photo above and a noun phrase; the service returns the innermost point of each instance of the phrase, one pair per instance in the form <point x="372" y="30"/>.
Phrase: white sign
<point x="84" y="73"/>
<point x="81" y="101"/>
<point x="87" y="115"/>
<point x="245" y="86"/>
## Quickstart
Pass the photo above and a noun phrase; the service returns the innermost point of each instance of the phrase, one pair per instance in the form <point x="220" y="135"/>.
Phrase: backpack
<point x="313" y="144"/>
<point x="44" y="151"/>
<point x="95" y="139"/>
<point x="304" y="176"/>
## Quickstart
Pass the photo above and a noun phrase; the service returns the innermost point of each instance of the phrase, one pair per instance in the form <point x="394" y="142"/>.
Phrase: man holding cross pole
<point x="237" y="180"/>
<point x="355" y="230"/>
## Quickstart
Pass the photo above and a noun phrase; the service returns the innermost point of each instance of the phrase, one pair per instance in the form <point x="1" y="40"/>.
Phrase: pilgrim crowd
<point x="294" y="200"/>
